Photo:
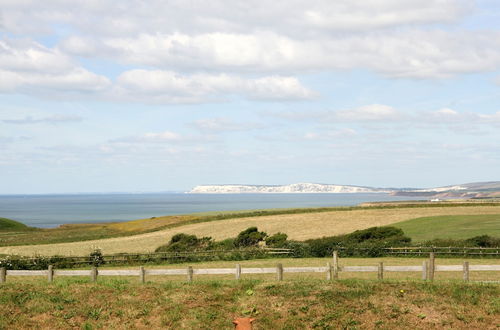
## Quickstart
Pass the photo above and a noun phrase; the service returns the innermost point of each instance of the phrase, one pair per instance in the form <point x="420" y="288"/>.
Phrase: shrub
<point x="185" y="242"/>
<point x="483" y="241"/>
<point x="277" y="240"/>
<point x="249" y="237"/>
<point x="366" y="242"/>
<point x="477" y="241"/>
<point x="227" y="244"/>
<point x="375" y="233"/>
<point x="96" y="258"/>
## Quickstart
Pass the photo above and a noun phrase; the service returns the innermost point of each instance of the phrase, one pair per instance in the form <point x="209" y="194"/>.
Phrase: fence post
<point x="380" y="270"/>
<point x="335" y="264"/>
<point x="466" y="271"/>
<point x="425" y="267"/>
<point x="432" y="266"/>
<point x="190" y="274"/>
<point x="279" y="272"/>
<point x="3" y="275"/>
<point x="93" y="274"/>
<point x="50" y="274"/>
<point x="142" y="275"/>
<point x="329" y="271"/>
<point x="238" y="271"/>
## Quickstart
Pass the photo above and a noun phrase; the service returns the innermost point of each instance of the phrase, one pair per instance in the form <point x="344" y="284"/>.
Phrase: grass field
<point x="298" y="226"/>
<point x="11" y="225"/>
<point x="455" y="227"/>
<point x="20" y="234"/>
<point x="307" y="304"/>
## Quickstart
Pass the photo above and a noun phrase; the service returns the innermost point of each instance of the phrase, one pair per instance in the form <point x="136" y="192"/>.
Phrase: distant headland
<point x="489" y="189"/>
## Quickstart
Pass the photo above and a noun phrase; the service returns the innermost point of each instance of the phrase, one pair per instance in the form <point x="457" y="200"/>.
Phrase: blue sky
<point x="100" y="96"/>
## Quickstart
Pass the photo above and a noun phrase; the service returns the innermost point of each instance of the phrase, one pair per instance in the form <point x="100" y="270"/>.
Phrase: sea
<point x="48" y="211"/>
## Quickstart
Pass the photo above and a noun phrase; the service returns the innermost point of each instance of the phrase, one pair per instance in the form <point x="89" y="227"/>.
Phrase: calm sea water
<point x="53" y="210"/>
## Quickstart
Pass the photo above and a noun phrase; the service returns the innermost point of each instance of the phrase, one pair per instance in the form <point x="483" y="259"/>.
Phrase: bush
<point x="277" y="240"/>
<point x="249" y="237"/>
<point x="96" y="258"/>
<point x="483" y="241"/>
<point x="184" y="242"/>
<point x="366" y="242"/>
<point x="227" y="244"/>
<point x="477" y="241"/>
<point x="376" y="233"/>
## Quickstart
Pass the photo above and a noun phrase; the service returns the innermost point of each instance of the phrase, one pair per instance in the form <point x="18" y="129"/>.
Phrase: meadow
<point x="300" y="304"/>
<point x="455" y="227"/>
<point x="298" y="226"/>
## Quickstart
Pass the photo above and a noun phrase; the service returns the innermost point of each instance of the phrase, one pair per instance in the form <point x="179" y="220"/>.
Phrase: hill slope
<point x="11" y="225"/>
<point x="451" y="226"/>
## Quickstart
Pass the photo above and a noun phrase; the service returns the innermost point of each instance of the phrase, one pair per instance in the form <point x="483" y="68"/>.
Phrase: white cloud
<point x="372" y="112"/>
<point x="329" y="135"/>
<point x="28" y="66"/>
<point x="490" y="118"/>
<point x="218" y="125"/>
<point x="158" y="86"/>
<point x="375" y="115"/>
<point x="295" y="16"/>
<point x="400" y="53"/>
<point x="53" y="119"/>
<point x="165" y="137"/>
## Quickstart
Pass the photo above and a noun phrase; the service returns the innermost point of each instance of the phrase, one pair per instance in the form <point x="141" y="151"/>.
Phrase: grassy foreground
<point x="347" y="304"/>
<point x="454" y="227"/>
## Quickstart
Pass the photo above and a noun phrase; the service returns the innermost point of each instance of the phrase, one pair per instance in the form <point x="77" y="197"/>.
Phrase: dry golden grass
<point x="297" y="226"/>
<point x="312" y="304"/>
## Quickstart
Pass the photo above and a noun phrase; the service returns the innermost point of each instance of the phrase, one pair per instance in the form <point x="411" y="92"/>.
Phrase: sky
<point x="130" y="95"/>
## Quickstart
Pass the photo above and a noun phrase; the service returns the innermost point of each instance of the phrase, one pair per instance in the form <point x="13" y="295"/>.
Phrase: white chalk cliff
<point x="285" y="189"/>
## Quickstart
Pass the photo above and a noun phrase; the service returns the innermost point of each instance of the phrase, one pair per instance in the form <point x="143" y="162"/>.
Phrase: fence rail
<point x="448" y="250"/>
<point x="331" y="270"/>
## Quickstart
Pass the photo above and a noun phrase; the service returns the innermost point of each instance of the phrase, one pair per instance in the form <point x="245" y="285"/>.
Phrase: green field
<point x="307" y="304"/>
<point x="11" y="225"/>
<point x="454" y="227"/>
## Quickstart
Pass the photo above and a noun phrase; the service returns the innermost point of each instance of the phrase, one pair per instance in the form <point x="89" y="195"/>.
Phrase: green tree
<point x="249" y="237"/>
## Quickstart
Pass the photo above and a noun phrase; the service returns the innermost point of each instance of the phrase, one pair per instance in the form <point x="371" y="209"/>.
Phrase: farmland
<point x="298" y="226"/>
<point x="454" y="227"/>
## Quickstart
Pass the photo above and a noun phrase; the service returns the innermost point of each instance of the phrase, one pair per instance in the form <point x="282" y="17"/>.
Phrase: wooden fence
<point x="331" y="271"/>
<point x="449" y="250"/>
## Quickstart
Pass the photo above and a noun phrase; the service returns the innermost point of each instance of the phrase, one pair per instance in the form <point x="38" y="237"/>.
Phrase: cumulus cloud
<point x="336" y="134"/>
<point x="376" y="114"/>
<point x="186" y="45"/>
<point x="165" y="137"/>
<point x="218" y="125"/>
<point x="295" y="16"/>
<point x="158" y="86"/>
<point x="372" y="112"/>
<point x="29" y="66"/>
<point x="54" y="119"/>
<point x="401" y="53"/>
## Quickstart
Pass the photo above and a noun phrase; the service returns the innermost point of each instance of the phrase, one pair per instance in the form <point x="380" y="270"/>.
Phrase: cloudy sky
<point x="132" y="95"/>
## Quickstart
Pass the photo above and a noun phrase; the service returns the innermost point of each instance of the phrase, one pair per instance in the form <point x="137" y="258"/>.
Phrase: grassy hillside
<point x="455" y="226"/>
<point x="11" y="225"/>
<point x="298" y="226"/>
<point x="84" y="232"/>
<point x="345" y="304"/>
